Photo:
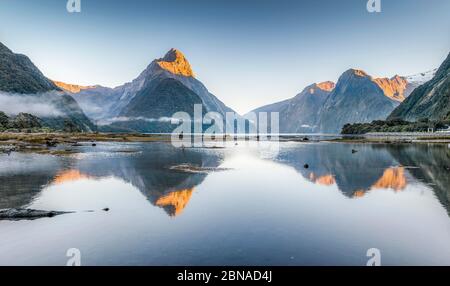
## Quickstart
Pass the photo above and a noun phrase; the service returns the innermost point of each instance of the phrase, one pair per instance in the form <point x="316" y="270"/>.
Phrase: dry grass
<point x="39" y="142"/>
<point x="42" y="138"/>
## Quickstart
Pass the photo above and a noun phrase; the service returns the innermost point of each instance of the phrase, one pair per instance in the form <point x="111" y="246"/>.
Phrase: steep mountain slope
<point x="21" y="80"/>
<point x="356" y="98"/>
<point x="394" y="87"/>
<point x="147" y="96"/>
<point x="431" y="100"/>
<point x="300" y="113"/>
<point x="19" y="75"/>
<point x="320" y="108"/>
<point x="161" y="98"/>
<point x="399" y="88"/>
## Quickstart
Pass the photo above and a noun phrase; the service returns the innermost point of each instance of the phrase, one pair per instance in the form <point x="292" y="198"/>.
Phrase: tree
<point x="70" y="126"/>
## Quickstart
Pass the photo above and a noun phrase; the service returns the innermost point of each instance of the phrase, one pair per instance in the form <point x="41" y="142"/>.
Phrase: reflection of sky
<point x="259" y="212"/>
<point x="247" y="52"/>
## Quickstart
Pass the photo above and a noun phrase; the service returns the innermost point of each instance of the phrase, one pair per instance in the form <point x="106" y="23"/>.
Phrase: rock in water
<point x="27" y="214"/>
<point x="187" y="168"/>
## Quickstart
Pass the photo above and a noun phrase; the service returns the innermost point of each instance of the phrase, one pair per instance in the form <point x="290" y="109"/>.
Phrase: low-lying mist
<point x="37" y="104"/>
<point x="140" y="118"/>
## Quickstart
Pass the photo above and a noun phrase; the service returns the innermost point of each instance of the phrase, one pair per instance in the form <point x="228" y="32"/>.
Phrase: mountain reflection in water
<point x="148" y="171"/>
<point x="264" y="208"/>
<point x="373" y="167"/>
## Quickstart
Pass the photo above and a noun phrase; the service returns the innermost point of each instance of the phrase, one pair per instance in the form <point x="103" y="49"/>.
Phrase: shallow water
<point x="264" y="208"/>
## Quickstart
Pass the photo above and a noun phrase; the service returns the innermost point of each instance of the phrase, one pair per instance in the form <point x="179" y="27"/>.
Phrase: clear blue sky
<point x="247" y="52"/>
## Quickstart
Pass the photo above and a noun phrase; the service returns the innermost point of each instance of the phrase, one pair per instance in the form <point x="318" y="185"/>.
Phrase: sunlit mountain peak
<point x="326" y="85"/>
<point x="356" y="72"/>
<point x="175" y="62"/>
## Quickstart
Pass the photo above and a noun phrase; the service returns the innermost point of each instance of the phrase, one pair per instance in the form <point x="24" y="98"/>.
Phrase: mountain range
<point x="168" y="85"/>
<point x="356" y="97"/>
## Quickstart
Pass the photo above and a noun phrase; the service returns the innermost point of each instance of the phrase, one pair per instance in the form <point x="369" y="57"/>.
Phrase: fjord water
<point x="260" y="208"/>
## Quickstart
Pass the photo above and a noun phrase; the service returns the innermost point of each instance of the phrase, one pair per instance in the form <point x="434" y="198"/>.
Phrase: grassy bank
<point x="63" y="143"/>
<point x="44" y="138"/>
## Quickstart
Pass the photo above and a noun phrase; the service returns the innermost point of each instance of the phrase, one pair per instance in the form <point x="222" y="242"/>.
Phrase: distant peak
<point x="73" y="88"/>
<point x="397" y="77"/>
<point x="175" y="62"/>
<point x="421" y="78"/>
<point x="326" y="85"/>
<point x="172" y="55"/>
<point x="394" y="87"/>
<point x="356" y="72"/>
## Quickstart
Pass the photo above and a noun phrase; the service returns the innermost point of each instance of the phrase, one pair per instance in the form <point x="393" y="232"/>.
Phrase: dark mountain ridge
<point x="20" y="77"/>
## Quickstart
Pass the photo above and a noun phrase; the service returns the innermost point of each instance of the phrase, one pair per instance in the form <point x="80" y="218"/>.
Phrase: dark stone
<point x="27" y="214"/>
<point x="51" y="143"/>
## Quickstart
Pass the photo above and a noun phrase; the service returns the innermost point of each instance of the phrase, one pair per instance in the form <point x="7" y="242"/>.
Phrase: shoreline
<point x="45" y="143"/>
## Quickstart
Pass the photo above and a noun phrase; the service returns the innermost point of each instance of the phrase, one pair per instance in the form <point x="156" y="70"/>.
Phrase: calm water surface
<point x="265" y="208"/>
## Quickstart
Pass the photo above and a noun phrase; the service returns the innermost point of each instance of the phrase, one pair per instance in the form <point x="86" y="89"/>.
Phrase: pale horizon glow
<point x="246" y="54"/>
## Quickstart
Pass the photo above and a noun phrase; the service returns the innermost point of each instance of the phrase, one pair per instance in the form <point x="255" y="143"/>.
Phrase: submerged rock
<point x="27" y="214"/>
<point x="51" y="143"/>
<point x="186" y="168"/>
<point x="8" y="151"/>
